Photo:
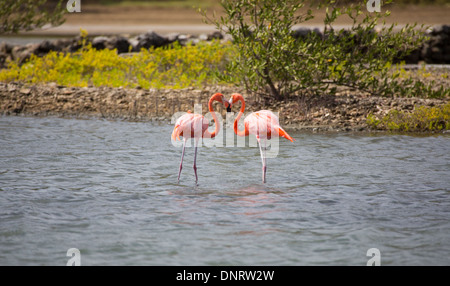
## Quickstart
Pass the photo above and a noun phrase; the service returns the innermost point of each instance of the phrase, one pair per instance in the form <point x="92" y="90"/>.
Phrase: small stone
<point x="25" y="90"/>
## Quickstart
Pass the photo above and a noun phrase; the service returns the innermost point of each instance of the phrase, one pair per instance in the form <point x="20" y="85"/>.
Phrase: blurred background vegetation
<point x="202" y="3"/>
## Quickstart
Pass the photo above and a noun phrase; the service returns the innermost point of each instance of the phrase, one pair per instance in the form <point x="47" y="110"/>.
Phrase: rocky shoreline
<point x="435" y="51"/>
<point x="347" y="111"/>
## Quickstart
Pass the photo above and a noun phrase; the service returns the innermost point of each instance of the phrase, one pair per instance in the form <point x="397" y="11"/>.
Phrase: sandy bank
<point x="134" y="19"/>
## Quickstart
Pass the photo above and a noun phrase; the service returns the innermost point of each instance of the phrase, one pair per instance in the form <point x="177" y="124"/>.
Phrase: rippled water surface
<point x="109" y="189"/>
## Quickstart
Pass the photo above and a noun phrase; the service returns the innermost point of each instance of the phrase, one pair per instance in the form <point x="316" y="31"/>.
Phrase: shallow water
<point x="108" y="188"/>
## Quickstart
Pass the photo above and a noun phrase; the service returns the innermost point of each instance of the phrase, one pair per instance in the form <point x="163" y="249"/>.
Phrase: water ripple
<point x="109" y="189"/>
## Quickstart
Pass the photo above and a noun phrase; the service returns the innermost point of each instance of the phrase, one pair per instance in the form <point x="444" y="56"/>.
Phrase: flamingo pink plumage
<point x="264" y="124"/>
<point x="196" y="126"/>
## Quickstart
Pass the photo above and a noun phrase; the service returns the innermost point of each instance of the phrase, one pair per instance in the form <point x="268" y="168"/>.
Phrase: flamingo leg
<point x="265" y="163"/>
<point x="182" y="156"/>
<point x="195" y="161"/>
<point x="263" y="159"/>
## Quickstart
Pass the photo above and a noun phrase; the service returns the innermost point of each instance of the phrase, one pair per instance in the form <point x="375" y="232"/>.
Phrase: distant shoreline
<point x="131" y="30"/>
<point x="135" y="19"/>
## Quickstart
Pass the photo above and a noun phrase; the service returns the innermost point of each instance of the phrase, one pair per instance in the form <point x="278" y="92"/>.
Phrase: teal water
<point x="108" y="188"/>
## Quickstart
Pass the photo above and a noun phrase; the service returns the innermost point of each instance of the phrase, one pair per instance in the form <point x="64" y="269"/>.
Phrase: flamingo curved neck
<point x="236" y="121"/>
<point x="213" y="113"/>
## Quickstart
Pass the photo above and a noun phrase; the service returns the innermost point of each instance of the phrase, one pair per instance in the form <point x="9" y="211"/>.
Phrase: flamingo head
<point x="234" y="98"/>
<point x="221" y="98"/>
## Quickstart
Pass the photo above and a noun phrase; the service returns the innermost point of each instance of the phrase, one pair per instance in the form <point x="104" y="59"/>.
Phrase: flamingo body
<point x="196" y="126"/>
<point x="264" y="124"/>
<point x="190" y="126"/>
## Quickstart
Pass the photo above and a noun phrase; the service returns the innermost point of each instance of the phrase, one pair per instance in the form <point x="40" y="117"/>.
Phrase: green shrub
<point x="422" y="118"/>
<point x="272" y="61"/>
<point x="26" y="15"/>
<point x="175" y="67"/>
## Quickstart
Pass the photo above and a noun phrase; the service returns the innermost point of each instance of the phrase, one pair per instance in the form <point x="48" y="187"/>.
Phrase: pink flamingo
<point x="263" y="124"/>
<point x="196" y="126"/>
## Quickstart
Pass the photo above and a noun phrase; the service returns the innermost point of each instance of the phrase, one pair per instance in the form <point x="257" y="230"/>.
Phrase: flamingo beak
<point x="227" y="105"/>
<point x="230" y="102"/>
<point x="229" y="108"/>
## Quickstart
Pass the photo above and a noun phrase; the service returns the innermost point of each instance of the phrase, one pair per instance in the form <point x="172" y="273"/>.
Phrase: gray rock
<point x="5" y="48"/>
<point x="216" y="35"/>
<point x="45" y="47"/>
<point x="99" y="42"/>
<point x="75" y="44"/>
<point x="151" y="39"/>
<point x="62" y="44"/>
<point x="23" y="53"/>
<point x="184" y="39"/>
<point x="172" y="37"/>
<point x="203" y="37"/>
<point x="302" y="33"/>
<point x="134" y="44"/>
<point x="121" y="44"/>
